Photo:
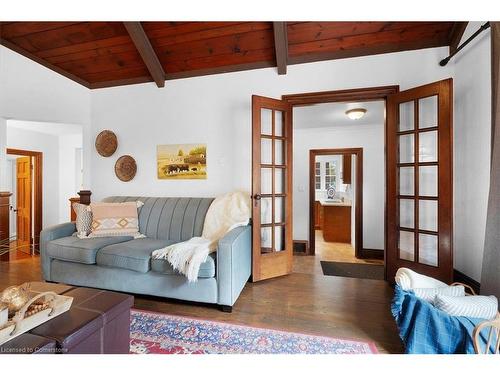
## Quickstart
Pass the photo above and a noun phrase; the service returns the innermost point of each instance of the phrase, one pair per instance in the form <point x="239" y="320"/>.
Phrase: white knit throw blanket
<point x="224" y="214"/>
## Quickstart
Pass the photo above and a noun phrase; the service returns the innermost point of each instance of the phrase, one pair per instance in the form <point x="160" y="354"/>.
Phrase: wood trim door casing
<point x="38" y="190"/>
<point x="358" y="94"/>
<point x="358" y="195"/>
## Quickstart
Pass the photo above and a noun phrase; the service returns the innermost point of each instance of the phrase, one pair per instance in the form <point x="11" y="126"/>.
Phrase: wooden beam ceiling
<point x="100" y="54"/>
<point x="146" y="51"/>
<point x="457" y="31"/>
<point x="281" y="46"/>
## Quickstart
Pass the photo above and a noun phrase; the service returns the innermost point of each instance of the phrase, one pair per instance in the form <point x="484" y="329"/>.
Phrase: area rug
<point x="168" y="334"/>
<point x="358" y="270"/>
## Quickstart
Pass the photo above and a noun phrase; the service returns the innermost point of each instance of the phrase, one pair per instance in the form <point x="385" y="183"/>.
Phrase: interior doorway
<point x="336" y="201"/>
<point x="25" y="169"/>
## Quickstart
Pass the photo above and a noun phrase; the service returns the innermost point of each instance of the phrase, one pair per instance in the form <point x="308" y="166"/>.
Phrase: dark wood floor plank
<point x="306" y="303"/>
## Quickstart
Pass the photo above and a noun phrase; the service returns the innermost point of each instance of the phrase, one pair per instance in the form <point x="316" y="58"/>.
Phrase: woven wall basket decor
<point x="106" y="143"/>
<point x="125" y="168"/>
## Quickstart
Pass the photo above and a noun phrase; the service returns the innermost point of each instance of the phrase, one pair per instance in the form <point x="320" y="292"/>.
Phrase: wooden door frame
<point x="358" y="199"/>
<point x="37" y="190"/>
<point x="358" y="94"/>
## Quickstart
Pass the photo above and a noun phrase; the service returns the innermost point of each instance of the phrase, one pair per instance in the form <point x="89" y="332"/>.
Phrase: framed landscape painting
<point x="185" y="161"/>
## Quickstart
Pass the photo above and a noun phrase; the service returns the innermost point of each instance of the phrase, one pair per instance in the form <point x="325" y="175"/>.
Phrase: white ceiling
<point x="333" y="115"/>
<point x="46" y="127"/>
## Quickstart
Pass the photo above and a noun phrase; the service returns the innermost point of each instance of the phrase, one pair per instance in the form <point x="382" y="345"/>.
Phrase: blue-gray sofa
<point x="125" y="264"/>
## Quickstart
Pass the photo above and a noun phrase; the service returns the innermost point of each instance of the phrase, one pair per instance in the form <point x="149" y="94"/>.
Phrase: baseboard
<point x="300" y="247"/>
<point x="460" y="277"/>
<point x="372" y="254"/>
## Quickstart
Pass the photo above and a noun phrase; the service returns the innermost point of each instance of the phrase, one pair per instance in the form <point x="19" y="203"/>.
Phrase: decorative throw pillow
<point x="115" y="219"/>
<point x="83" y="219"/>
<point x="484" y="307"/>
<point x="428" y="294"/>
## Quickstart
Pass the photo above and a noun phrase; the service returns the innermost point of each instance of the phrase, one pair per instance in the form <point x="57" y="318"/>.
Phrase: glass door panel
<point x="406" y="148"/>
<point x="406" y="180"/>
<point x="266" y="181"/>
<point x="266" y="239"/>
<point x="406" y="116"/>
<point x="266" y="151"/>
<point x="266" y="121"/>
<point x="279" y="181"/>
<point x="266" y="211"/>
<point x="407" y="213"/>
<point x="279" y="210"/>
<point x="428" y="181"/>
<point x="406" y="245"/>
<point x="428" y="215"/>
<point x="428" y="112"/>
<point x="279" y="238"/>
<point x="428" y="249"/>
<point x="279" y="152"/>
<point x="278" y="124"/>
<point x="428" y="149"/>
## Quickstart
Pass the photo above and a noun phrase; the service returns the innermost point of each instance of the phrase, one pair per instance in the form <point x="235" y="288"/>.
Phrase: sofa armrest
<point x="50" y="234"/>
<point x="234" y="264"/>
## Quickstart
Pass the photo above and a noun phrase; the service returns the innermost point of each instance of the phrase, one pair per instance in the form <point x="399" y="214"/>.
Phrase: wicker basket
<point x="125" y="168"/>
<point x="106" y="143"/>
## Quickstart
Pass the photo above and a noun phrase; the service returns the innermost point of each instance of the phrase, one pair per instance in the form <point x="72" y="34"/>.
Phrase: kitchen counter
<point x="336" y="221"/>
<point x="336" y="204"/>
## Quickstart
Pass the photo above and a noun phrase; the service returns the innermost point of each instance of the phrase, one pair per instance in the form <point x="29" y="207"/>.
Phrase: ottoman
<point x="98" y="322"/>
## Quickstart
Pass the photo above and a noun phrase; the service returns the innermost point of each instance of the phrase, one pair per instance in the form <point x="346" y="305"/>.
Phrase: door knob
<point x="256" y="198"/>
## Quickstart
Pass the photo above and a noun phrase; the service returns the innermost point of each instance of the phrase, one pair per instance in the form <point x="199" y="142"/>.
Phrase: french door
<point x="419" y="180"/>
<point x="272" y="253"/>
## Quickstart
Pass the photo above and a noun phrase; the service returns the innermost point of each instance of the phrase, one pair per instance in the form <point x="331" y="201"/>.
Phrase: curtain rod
<point x="445" y="61"/>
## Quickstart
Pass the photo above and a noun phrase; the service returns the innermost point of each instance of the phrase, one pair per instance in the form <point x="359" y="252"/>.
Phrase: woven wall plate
<point x="125" y="168"/>
<point x="106" y="143"/>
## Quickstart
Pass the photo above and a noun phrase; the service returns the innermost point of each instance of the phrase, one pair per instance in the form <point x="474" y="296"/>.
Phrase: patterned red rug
<point x="168" y="334"/>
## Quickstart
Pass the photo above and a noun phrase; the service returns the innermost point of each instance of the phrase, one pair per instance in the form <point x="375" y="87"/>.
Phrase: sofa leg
<point x="226" y="308"/>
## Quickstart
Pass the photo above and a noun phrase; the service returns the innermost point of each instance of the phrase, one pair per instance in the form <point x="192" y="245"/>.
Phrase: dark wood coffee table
<point x="98" y="322"/>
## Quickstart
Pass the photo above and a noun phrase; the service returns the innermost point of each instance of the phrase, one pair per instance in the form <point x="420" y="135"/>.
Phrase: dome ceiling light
<point x="355" y="113"/>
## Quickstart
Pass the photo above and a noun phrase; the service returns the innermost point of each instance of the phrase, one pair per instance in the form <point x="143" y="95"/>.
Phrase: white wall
<point x="68" y="144"/>
<point x="29" y="91"/>
<point x="3" y="158"/>
<point x="49" y="145"/>
<point x="217" y="110"/>
<point x="368" y="137"/>
<point x="472" y="141"/>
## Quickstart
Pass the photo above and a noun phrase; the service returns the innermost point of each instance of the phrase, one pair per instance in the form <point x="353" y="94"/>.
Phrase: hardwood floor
<point x="301" y="302"/>
<point x="330" y="251"/>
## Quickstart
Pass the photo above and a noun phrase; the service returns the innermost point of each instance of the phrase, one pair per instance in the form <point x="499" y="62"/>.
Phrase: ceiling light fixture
<point x="355" y="113"/>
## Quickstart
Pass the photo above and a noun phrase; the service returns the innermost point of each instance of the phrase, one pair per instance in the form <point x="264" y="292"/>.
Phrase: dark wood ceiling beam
<point x="364" y="51"/>
<point x="457" y="31"/>
<point x="281" y="46"/>
<point x="186" y="74"/>
<point x="146" y="51"/>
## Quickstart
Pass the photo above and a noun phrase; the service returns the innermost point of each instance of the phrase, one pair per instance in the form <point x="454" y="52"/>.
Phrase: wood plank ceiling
<point x="106" y="54"/>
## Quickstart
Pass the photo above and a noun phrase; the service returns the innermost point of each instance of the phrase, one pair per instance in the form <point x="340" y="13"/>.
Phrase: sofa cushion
<point x="132" y="255"/>
<point x="174" y="219"/>
<point x="74" y="249"/>
<point x="207" y="268"/>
